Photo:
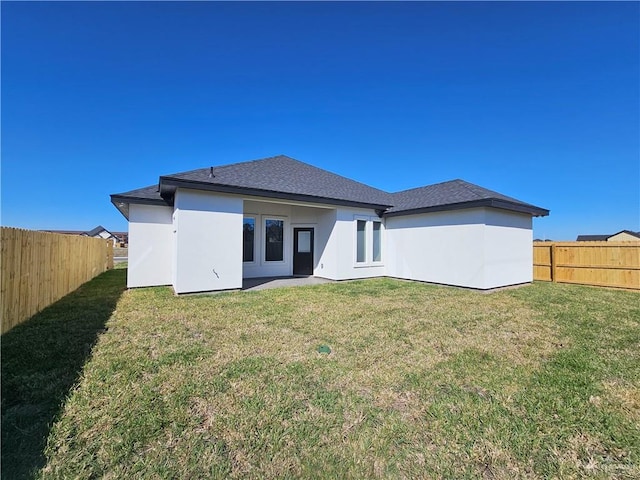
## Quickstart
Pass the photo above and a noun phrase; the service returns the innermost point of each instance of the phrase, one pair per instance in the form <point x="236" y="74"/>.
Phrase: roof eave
<point x="122" y="202"/>
<point x="519" y="207"/>
<point x="489" y="202"/>
<point x="168" y="185"/>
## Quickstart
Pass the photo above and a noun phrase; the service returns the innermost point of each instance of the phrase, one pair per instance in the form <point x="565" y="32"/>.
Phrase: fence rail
<point x="39" y="268"/>
<point x="604" y="264"/>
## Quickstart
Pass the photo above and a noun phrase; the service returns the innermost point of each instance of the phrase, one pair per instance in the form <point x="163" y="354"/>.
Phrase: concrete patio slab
<point x="279" y="282"/>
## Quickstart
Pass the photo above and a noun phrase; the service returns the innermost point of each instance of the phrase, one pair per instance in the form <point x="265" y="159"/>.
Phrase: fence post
<point x="109" y="254"/>
<point x="552" y="255"/>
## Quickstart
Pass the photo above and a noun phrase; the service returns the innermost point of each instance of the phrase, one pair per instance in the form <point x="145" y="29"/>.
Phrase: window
<point x="368" y="241"/>
<point x="248" y="239"/>
<point x="274" y="244"/>
<point x="361" y="231"/>
<point x="377" y="241"/>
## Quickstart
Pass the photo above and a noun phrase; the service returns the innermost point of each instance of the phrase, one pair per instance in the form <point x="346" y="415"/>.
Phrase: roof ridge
<point x="227" y="165"/>
<point x="466" y="185"/>
<point x="287" y="157"/>
<point x="427" y="186"/>
<point x="255" y="160"/>
<point x="497" y="195"/>
<point x="630" y="232"/>
<point x="331" y="173"/>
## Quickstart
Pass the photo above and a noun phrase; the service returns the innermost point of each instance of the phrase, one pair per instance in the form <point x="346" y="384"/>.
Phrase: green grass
<point x="422" y="381"/>
<point x="42" y="360"/>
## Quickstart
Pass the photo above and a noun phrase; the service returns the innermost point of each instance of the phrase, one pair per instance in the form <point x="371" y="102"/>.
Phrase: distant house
<point x="123" y="239"/>
<point x="118" y="238"/>
<point x="99" y="232"/>
<point x="208" y="229"/>
<point x="621" y="236"/>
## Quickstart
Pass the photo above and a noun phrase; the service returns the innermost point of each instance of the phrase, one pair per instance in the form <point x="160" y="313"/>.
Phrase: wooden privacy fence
<point x="39" y="268"/>
<point x="604" y="264"/>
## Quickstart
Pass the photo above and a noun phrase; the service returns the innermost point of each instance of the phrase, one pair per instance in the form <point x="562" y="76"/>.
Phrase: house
<point x="97" y="232"/>
<point x="100" y="232"/>
<point x="621" y="236"/>
<point x="207" y="229"/>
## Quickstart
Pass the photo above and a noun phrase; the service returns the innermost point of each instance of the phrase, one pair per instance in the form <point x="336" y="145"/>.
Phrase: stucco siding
<point x="150" y="246"/>
<point x="344" y="240"/>
<point x="208" y="236"/>
<point x="326" y="263"/>
<point x="508" y="243"/>
<point x="440" y="247"/>
<point x="261" y="211"/>
<point x="293" y="216"/>
<point x="478" y="248"/>
<point x="198" y="245"/>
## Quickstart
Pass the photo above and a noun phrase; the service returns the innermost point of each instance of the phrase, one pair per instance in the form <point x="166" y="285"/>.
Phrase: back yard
<point x="421" y="381"/>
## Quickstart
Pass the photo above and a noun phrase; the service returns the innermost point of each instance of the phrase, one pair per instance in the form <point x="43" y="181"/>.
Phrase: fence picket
<point x="39" y="268"/>
<point x="606" y="264"/>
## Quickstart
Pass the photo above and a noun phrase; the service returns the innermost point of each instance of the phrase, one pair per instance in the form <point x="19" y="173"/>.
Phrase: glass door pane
<point x="304" y="241"/>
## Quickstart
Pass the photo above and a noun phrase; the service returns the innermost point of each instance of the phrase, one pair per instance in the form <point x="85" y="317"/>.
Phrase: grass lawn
<point x="421" y="382"/>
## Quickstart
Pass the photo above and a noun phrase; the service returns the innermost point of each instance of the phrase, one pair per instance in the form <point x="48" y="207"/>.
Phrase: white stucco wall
<point x="343" y="242"/>
<point x="326" y="258"/>
<point x="150" y="246"/>
<point x="322" y="220"/>
<point x="478" y="248"/>
<point x="334" y="240"/>
<point x="508" y="240"/>
<point x="259" y="267"/>
<point x="319" y="218"/>
<point x="440" y="247"/>
<point x="208" y="241"/>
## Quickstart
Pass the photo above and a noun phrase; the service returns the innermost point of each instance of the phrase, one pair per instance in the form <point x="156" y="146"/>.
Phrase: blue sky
<point x="540" y="101"/>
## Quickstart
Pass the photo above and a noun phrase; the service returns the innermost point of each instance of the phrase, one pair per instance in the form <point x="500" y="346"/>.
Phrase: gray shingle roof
<point x="592" y="238"/>
<point x="146" y="195"/>
<point x="287" y="178"/>
<point x="152" y="192"/>
<point x="454" y="192"/>
<point x="282" y="174"/>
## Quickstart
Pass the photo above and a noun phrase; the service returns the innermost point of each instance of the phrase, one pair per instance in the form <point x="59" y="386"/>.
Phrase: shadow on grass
<point x="42" y="360"/>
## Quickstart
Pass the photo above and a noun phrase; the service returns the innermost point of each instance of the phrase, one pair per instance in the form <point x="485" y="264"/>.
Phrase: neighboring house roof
<point x="604" y="238"/>
<point x="96" y="231"/>
<point x="592" y="238"/>
<point x="91" y="233"/>
<point x="286" y="178"/>
<point x="628" y="232"/>
<point x="455" y="194"/>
